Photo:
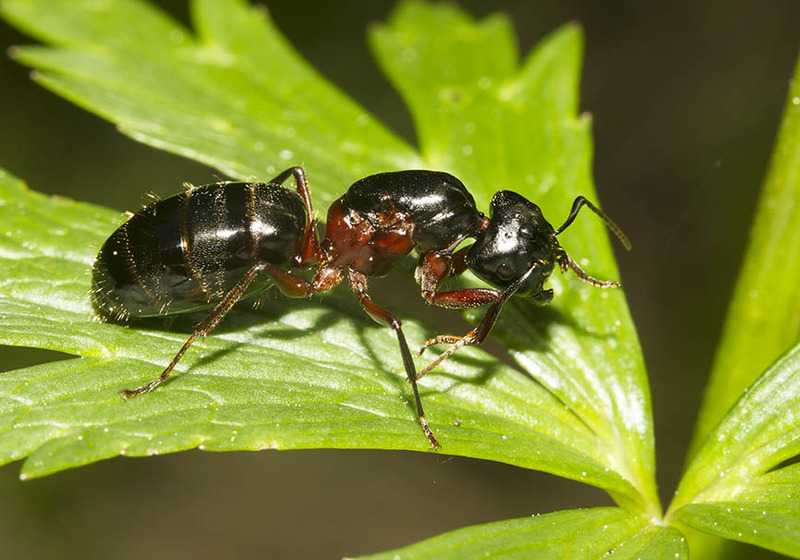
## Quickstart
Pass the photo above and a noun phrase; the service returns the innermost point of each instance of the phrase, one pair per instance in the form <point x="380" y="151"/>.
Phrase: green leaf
<point x="574" y="534"/>
<point x="764" y="316"/>
<point x="237" y="97"/>
<point x="766" y="513"/>
<point x="500" y="125"/>
<point x="736" y="486"/>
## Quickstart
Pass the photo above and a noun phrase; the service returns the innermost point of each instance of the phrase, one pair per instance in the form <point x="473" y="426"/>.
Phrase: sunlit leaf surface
<point x="585" y="534"/>
<point x="738" y="486"/>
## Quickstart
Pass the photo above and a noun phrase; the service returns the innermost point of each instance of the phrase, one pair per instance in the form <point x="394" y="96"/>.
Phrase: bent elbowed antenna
<point x="568" y="262"/>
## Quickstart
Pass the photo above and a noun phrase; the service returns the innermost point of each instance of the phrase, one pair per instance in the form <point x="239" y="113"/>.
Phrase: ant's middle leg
<point x="358" y="283"/>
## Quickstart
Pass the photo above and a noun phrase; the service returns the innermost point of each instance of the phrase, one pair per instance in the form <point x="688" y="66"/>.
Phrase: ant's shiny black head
<point x="518" y="236"/>
<point x="519" y="248"/>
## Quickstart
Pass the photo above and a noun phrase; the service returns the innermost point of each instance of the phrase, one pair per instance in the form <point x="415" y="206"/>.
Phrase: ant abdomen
<point x="186" y="252"/>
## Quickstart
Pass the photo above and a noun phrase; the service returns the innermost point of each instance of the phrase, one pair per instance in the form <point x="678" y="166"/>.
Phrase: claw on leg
<point x="426" y="429"/>
<point x="440" y="339"/>
<point x="146" y="388"/>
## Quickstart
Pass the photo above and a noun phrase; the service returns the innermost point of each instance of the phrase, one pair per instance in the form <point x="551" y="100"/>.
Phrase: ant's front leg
<point x="475" y="336"/>
<point x="431" y="275"/>
<point x="433" y="268"/>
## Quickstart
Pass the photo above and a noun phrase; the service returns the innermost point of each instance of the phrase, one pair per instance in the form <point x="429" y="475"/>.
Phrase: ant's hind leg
<point x="310" y="251"/>
<point x="202" y="329"/>
<point x="300" y="181"/>
<point x="288" y="284"/>
<point x="358" y="283"/>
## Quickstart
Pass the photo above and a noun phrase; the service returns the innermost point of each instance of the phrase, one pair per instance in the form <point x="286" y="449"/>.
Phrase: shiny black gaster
<point x="185" y="252"/>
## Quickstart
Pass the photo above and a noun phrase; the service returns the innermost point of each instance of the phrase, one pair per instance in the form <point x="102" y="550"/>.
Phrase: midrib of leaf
<point x="525" y="136"/>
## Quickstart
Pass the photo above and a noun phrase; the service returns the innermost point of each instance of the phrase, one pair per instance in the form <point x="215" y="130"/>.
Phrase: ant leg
<point x="458" y="299"/>
<point x="434" y="267"/>
<point x="289" y="285"/>
<point x="358" y="283"/>
<point x="309" y="250"/>
<point x="301" y="184"/>
<point x="202" y="329"/>
<point x="463" y="299"/>
<point x="475" y="336"/>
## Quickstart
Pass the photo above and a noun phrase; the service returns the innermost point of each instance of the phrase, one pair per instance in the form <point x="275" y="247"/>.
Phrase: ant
<point x="215" y="244"/>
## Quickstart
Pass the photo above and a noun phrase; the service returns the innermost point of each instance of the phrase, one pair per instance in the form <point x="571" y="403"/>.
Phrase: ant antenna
<point x="576" y="206"/>
<point x="565" y="261"/>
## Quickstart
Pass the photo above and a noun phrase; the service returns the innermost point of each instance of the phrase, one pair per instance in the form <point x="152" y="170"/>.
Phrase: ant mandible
<point x="216" y="244"/>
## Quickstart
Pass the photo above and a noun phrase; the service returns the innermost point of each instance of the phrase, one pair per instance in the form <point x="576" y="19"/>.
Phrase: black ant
<point x="216" y="244"/>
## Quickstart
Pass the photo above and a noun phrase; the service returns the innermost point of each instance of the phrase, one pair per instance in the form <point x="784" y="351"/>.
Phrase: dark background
<point x="686" y="98"/>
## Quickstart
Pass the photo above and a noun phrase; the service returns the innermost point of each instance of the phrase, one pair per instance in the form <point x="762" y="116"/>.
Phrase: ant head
<point x="518" y="248"/>
<point x="517" y="237"/>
